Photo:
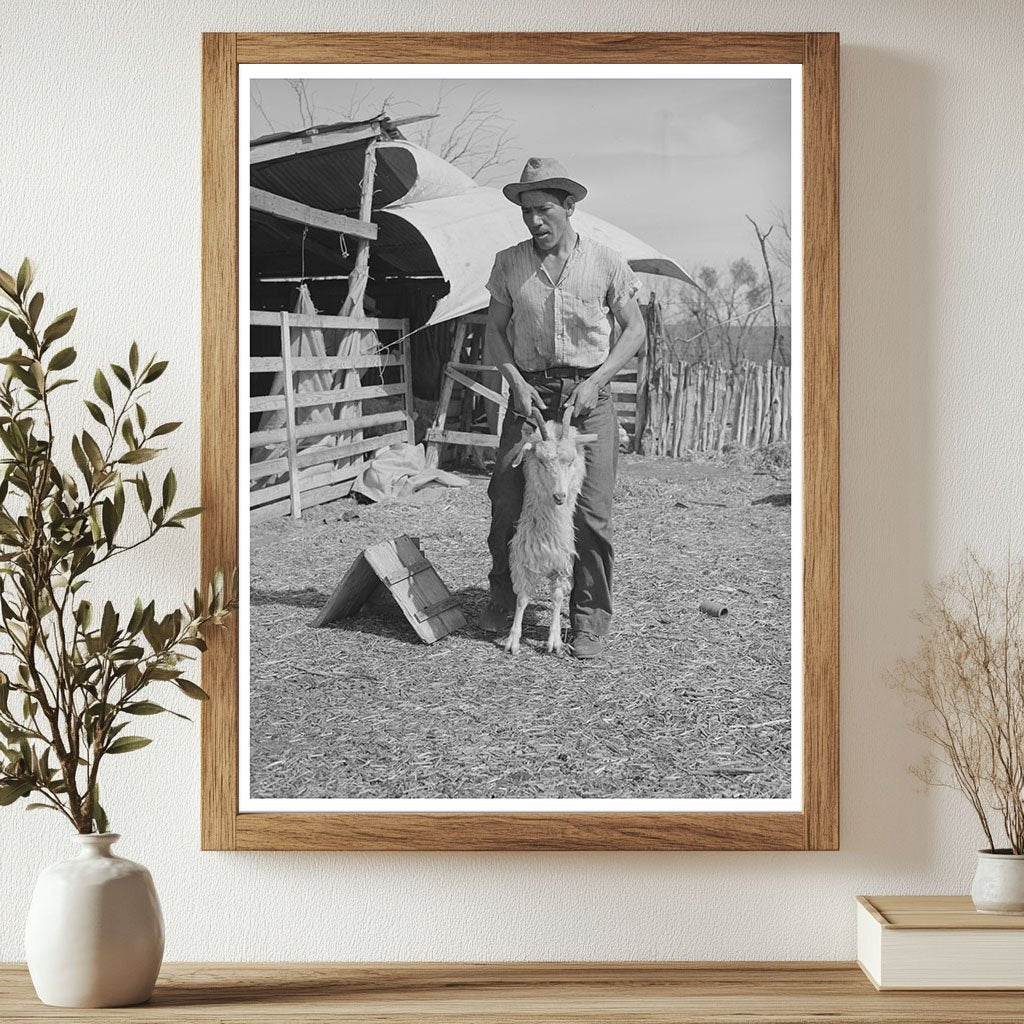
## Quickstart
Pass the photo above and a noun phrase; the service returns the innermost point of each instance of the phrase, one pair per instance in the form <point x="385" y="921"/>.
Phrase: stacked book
<point x="938" y="942"/>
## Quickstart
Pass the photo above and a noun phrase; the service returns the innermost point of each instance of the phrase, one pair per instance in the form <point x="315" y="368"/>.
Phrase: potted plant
<point x="967" y="681"/>
<point x="80" y="671"/>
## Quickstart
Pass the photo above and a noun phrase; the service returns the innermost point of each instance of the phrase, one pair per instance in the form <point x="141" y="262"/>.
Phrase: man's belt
<point x="560" y="372"/>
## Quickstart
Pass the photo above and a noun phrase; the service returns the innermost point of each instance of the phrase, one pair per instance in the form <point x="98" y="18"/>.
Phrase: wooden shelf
<point x="638" y="993"/>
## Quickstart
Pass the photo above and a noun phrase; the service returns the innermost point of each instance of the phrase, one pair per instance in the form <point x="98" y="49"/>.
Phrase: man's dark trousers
<point x="590" y="604"/>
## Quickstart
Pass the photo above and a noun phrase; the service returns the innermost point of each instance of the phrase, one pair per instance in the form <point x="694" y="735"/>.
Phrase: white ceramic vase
<point x="999" y="883"/>
<point x="95" y="933"/>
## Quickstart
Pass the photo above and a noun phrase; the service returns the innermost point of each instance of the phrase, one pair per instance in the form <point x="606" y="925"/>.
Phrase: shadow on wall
<point x="887" y="323"/>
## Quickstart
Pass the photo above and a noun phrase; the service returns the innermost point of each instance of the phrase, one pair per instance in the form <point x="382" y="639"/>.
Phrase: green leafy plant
<point x="80" y="672"/>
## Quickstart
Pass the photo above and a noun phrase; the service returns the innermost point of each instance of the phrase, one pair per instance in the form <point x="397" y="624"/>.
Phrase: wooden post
<point x="410" y="423"/>
<point x="751" y="436"/>
<point x="723" y="426"/>
<point x="663" y="411"/>
<point x="709" y="406"/>
<point x="716" y="405"/>
<point x="356" y="292"/>
<point x="447" y="386"/>
<point x="475" y="356"/>
<point x="643" y="368"/>
<point x="741" y="379"/>
<point x="676" y="426"/>
<point x="758" y="406"/>
<point x="723" y="411"/>
<point x="705" y="410"/>
<point x="656" y="380"/>
<point x="766" y="408"/>
<point x="777" y="403"/>
<point x="686" y="442"/>
<point x="713" y="419"/>
<point x="677" y="440"/>
<point x="360" y="271"/>
<point x="732" y="405"/>
<point x="741" y="433"/>
<point x="705" y="405"/>
<point x="786" y="412"/>
<point x="289" y="412"/>
<point x="697" y="371"/>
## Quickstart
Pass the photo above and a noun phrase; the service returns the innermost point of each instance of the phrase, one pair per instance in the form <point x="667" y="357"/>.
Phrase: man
<point x="549" y="329"/>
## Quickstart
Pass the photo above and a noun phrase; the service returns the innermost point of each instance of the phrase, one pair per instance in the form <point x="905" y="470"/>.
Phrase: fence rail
<point x="316" y="453"/>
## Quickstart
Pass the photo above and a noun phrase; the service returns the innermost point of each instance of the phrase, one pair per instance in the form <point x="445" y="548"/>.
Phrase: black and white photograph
<point x="520" y="396"/>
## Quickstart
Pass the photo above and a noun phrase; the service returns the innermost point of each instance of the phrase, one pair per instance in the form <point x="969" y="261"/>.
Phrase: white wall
<point x="100" y="183"/>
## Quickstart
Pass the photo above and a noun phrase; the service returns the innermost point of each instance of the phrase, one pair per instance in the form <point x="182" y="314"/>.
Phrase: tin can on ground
<point x="714" y="609"/>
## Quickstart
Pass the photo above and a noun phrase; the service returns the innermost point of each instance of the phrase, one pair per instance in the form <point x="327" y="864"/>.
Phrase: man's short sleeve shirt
<point x="568" y="322"/>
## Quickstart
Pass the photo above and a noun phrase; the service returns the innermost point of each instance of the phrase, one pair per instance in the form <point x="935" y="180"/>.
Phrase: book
<point x="938" y="942"/>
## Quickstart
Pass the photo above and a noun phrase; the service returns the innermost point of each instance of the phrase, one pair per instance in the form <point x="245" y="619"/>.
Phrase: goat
<point x="544" y="544"/>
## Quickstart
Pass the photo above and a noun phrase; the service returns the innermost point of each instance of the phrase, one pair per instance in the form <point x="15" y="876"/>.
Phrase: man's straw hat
<point x="543" y="172"/>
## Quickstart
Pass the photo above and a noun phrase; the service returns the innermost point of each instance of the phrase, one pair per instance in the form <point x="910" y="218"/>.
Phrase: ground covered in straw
<point x="686" y="706"/>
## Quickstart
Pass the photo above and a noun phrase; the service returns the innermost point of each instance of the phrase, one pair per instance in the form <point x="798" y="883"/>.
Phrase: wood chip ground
<point x="685" y="706"/>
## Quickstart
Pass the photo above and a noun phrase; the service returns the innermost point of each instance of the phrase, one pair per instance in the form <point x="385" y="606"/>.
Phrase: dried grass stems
<point x="685" y="706"/>
<point x="967" y="678"/>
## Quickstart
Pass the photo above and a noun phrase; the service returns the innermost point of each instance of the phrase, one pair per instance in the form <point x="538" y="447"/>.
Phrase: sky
<point x="676" y="162"/>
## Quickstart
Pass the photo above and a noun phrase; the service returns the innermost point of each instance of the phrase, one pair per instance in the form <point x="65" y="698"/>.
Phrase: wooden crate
<point x="399" y="567"/>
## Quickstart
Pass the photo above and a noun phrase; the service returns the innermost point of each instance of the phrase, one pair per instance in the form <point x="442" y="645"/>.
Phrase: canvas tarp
<point x="315" y="342"/>
<point x="433" y="219"/>
<point x="464" y="232"/>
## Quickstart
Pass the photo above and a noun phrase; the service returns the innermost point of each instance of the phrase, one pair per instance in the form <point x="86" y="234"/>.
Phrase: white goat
<point x="544" y="544"/>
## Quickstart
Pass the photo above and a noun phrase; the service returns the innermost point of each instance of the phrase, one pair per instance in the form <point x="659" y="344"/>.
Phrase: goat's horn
<point x="538" y="418"/>
<point x="567" y="416"/>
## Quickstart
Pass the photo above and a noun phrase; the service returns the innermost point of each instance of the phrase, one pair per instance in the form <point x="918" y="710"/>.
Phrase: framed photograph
<point x="520" y="419"/>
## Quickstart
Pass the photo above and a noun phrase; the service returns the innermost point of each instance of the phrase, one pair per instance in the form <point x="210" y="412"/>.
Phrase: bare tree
<point x="304" y="99"/>
<point x="780" y="250"/>
<point x="472" y="135"/>
<point x="762" y="239"/>
<point x="257" y="102"/>
<point x="781" y="246"/>
<point x="475" y="138"/>
<point x="727" y="309"/>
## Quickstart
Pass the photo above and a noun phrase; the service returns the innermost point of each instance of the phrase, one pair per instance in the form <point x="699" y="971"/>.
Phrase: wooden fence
<point x="320" y="459"/>
<point x="668" y="406"/>
<point x="688" y="407"/>
<point x="700" y="407"/>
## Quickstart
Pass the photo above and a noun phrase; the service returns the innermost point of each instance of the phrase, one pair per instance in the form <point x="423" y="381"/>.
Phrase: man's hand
<point x="583" y="398"/>
<point x="527" y="398"/>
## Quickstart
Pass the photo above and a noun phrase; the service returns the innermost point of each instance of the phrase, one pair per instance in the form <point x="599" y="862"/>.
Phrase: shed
<point x="400" y="243"/>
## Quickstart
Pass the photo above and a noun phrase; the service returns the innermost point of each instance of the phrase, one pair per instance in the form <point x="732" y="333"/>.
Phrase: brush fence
<point x="328" y="433"/>
<point x="702" y="407"/>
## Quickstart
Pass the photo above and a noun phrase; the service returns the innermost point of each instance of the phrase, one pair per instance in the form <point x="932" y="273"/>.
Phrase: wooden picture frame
<point x="816" y="826"/>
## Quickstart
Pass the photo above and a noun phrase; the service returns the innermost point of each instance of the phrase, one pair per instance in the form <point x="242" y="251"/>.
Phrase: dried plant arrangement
<point x="81" y="671"/>
<point x="967" y="682"/>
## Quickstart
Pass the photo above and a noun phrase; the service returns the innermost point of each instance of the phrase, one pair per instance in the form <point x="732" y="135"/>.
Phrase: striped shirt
<point x="567" y="322"/>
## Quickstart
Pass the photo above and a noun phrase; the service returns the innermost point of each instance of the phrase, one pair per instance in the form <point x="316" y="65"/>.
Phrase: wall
<point x="100" y="184"/>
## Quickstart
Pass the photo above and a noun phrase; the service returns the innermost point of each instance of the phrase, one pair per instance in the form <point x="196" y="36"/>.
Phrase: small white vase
<point x="999" y="882"/>
<point x="95" y="933"/>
